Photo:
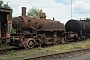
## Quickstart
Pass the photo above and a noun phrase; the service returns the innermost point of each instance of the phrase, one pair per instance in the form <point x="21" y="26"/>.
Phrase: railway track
<point x="9" y="48"/>
<point x="54" y="56"/>
<point x="43" y="55"/>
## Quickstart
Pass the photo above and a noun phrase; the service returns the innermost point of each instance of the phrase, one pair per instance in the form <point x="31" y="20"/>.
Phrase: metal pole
<point x="71" y="9"/>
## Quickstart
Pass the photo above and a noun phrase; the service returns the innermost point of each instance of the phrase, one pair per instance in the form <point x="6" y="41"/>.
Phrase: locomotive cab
<point x="5" y="24"/>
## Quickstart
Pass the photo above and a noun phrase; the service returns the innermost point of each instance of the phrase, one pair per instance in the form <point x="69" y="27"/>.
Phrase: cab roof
<point x="5" y="10"/>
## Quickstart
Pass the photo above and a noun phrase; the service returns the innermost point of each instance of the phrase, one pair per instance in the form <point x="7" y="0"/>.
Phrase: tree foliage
<point x="1" y="3"/>
<point x="88" y="19"/>
<point x="13" y="31"/>
<point x="34" y="12"/>
<point x="4" y="5"/>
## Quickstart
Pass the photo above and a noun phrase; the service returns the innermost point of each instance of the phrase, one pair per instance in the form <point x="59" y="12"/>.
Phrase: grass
<point x="3" y="46"/>
<point x="52" y="49"/>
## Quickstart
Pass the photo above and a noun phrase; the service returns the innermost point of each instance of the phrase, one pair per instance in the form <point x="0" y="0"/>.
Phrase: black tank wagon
<point x="80" y="28"/>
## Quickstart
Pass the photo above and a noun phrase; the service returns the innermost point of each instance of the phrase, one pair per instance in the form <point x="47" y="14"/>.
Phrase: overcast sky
<point x="59" y="9"/>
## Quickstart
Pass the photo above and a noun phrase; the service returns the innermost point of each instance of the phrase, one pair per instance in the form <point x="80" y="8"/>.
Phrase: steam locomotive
<point x="36" y="31"/>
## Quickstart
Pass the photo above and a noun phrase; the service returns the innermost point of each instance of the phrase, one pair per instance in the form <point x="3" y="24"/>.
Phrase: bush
<point x="13" y="31"/>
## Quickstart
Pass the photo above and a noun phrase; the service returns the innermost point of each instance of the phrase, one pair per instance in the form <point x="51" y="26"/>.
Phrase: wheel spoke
<point x="30" y="44"/>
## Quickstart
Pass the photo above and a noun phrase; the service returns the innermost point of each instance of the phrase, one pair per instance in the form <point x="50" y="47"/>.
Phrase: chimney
<point x="23" y="11"/>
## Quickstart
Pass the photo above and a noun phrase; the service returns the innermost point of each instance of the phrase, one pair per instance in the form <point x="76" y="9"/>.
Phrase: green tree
<point x="6" y="5"/>
<point x="13" y="31"/>
<point x="88" y="19"/>
<point x="34" y="12"/>
<point x="3" y="5"/>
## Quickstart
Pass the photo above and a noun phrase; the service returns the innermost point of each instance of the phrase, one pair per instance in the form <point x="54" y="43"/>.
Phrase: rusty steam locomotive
<point x="36" y="31"/>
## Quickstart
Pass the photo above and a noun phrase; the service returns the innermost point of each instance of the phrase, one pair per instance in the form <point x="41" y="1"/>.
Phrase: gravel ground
<point x="74" y="56"/>
<point x="79" y="57"/>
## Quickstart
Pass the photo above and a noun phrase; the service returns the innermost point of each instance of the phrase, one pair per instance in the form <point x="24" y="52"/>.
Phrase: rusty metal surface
<point x="5" y="10"/>
<point x="23" y="11"/>
<point x="36" y="28"/>
<point x="6" y="22"/>
<point x="42" y="15"/>
<point x="18" y="22"/>
<point x="39" y="24"/>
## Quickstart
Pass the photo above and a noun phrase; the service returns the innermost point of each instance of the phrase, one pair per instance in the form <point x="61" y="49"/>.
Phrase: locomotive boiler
<point x="40" y="24"/>
<point x="36" y="31"/>
<point x="78" y="28"/>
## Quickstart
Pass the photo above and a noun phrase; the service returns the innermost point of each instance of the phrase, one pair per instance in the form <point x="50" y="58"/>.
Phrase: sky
<point x="59" y="9"/>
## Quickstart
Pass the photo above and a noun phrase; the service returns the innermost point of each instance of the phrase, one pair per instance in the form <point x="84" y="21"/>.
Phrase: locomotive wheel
<point x="30" y="44"/>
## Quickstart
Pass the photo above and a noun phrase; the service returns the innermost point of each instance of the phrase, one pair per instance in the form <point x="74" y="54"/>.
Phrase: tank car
<point x="78" y="28"/>
<point x="36" y="31"/>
